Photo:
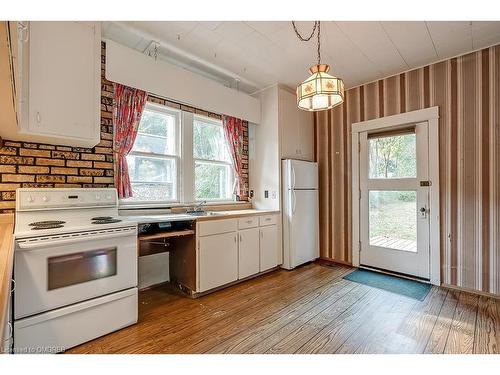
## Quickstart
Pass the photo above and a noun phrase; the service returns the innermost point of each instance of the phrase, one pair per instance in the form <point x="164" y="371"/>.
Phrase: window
<point x="153" y="162"/>
<point x="162" y="172"/>
<point x="213" y="167"/>
<point x="393" y="156"/>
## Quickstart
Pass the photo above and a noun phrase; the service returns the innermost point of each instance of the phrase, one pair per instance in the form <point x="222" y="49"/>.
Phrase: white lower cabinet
<point x="218" y="260"/>
<point x="268" y="247"/>
<point x="248" y="254"/>
<point x="233" y="249"/>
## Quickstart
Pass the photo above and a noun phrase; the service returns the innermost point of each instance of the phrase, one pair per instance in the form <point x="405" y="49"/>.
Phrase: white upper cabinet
<point x="296" y="128"/>
<point x="61" y="74"/>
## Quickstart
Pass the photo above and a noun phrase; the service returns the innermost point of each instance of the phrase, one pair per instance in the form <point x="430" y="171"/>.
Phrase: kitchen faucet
<point x="198" y="206"/>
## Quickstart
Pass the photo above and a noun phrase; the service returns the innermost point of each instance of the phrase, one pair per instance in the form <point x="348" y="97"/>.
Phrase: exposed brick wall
<point x="24" y="164"/>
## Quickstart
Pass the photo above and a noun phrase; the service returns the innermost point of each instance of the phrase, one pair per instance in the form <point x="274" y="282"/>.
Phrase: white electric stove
<point x="75" y="268"/>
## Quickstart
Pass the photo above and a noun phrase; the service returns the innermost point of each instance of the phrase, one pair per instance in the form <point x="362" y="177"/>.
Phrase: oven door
<point x="65" y="270"/>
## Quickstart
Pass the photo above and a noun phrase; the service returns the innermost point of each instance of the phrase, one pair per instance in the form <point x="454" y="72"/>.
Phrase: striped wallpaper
<point x="467" y="91"/>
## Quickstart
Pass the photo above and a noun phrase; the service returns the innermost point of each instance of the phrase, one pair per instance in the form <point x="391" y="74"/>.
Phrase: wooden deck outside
<point x="394" y="243"/>
<point x="309" y="310"/>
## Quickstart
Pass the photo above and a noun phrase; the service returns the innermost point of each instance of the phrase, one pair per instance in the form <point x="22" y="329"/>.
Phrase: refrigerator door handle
<point x="294" y="200"/>
<point x="293" y="176"/>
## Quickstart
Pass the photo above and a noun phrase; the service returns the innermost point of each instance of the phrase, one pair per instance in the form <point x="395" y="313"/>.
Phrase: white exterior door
<point x="394" y="201"/>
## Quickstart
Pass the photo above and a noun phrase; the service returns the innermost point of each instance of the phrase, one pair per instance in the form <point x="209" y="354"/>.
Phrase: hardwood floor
<point x="308" y="310"/>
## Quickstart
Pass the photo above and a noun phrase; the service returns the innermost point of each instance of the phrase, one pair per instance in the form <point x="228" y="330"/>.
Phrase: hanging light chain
<point x="319" y="42"/>
<point x="300" y="36"/>
<point x="317" y="25"/>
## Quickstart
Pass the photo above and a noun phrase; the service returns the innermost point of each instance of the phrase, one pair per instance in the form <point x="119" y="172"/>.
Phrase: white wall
<point x="264" y="154"/>
<point x="132" y="68"/>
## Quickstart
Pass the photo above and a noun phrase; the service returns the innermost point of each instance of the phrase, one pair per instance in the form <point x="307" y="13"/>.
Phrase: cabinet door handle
<point x="235" y="240"/>
<point x="38" y="118"/>
<point x="241" y="238"/>
<point x="261" y="234"/>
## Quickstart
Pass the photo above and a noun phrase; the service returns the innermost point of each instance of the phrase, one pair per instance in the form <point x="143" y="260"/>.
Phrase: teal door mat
<point x="409" y="288"/>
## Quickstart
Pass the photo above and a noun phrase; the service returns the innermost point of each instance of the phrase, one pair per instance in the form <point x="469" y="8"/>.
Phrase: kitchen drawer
<point x="248" y="222"/>
<point x="268" y="220"/>
<point x="72" y="325"/>
<point x="207" y="228"/>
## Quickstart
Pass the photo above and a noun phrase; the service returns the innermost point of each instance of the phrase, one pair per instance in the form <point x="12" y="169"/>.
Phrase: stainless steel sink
<point x="203" y="213"/>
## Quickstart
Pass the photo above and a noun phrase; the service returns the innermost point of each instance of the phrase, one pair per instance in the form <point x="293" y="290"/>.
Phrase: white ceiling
<point x="257" y="54"/>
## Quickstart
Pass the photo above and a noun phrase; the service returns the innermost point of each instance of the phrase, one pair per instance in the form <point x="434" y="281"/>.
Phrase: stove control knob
<point x="45" y="198"/>
<point x="98" y="197"/>
<point x="30" y="199"/>
<point x="108" y="197"/>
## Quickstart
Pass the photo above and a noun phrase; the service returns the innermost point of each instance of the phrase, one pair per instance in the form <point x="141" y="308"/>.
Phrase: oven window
<point x="76" y="268"/>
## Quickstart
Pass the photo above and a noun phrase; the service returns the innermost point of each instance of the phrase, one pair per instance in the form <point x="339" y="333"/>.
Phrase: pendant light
<point x="320" y="91"/>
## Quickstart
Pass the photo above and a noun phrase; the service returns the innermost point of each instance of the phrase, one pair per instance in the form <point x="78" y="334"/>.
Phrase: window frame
<point x="165" y="110"/>
<point x="229" y="164"/>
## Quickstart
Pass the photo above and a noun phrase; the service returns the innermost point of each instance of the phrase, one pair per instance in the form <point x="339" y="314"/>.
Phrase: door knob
<point x="423" y="212"/>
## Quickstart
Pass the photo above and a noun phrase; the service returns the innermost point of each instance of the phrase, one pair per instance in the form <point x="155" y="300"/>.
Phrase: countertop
<point x="215" y="215"/>
<point x="236" y="213"/>
<point x="6" y="264"/>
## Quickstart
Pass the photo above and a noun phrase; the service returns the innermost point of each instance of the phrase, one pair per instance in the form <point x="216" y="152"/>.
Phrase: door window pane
<point x="393" y="219"/>
<point x="393" y="156"/>
<point x="152" y="179"/>
<point x="212" y="181"/>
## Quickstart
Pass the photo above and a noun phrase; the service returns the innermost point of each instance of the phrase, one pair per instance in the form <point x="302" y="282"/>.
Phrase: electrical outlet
<point x="273" y="194"/>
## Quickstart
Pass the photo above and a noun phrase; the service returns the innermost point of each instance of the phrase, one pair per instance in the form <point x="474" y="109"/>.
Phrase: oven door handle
<point x="28" y="245"/>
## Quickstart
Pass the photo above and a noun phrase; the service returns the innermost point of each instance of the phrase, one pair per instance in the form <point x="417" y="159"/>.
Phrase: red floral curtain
<point x="128" y="106"/>
<point x="233" y="131"/>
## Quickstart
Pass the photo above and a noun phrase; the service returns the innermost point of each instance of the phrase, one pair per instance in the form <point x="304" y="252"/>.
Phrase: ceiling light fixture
<point x="320" y="91"/>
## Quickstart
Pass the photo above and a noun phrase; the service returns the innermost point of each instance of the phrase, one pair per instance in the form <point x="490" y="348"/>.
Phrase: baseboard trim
<point x="341" y="262"/>
<point x="471" y="291"/>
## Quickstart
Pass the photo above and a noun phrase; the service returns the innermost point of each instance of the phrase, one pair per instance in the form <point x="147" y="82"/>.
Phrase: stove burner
<point x="102" y="218"/>
<point x="107" y="221"/>
<point x="47" y="223"/>
<point x="47" y="226"/>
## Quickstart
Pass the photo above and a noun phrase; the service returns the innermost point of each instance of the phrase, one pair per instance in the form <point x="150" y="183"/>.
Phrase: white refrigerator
<point x="300" y="212"/>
